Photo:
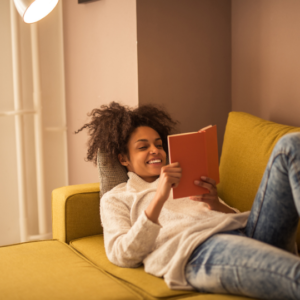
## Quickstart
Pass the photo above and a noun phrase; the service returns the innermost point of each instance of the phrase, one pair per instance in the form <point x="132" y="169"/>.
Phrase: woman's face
<point x="146" y="153"/>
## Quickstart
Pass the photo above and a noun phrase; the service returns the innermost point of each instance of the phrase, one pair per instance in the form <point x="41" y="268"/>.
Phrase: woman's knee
<point x="288" y="143"/>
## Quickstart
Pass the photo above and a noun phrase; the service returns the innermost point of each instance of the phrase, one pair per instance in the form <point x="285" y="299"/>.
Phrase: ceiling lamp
<point x="34" y="10"/>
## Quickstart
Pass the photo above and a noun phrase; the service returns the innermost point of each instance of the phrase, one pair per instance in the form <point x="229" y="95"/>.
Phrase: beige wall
<point x="100" y="67"/>
<point x="266" y="59"/>
<point x="184" y="59"/>
<point x="200" y="59"/>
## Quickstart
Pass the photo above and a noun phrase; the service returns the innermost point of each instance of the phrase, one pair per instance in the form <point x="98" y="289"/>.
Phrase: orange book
<point x="197" y="153"/>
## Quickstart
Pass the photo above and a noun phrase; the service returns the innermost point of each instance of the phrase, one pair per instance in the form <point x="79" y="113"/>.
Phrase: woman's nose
<point x="153" y="150"/>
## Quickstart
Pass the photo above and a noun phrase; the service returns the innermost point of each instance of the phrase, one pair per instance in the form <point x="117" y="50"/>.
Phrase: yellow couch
<point x="74" y="264"/>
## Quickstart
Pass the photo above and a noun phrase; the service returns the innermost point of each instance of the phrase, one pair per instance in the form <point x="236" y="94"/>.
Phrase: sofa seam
<point x="116" y="279"/>
<point x="76" y="252"/>
<point x="67" y="199"/>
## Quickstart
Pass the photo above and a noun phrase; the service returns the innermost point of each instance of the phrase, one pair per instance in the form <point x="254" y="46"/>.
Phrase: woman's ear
<point x="123" y="160"/>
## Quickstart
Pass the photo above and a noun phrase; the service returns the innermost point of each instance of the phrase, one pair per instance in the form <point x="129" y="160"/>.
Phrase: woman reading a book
<point x="197" y="242"/>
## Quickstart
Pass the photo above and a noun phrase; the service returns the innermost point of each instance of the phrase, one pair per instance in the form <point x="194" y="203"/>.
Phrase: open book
<point x="197" y="153"/>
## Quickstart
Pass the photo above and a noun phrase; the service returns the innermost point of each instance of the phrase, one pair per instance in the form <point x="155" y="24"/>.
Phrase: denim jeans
<point x="256" y="261"/>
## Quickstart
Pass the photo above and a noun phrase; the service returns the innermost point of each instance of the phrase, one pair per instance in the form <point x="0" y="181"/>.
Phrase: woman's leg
<point x="232" y="263"/>
<point x="275" y="212"/>
<point x="226" y="263"/>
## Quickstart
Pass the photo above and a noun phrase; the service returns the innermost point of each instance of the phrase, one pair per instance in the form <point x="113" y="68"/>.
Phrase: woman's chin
<point x="155" y="170"/>
<point x="149" y="177"/>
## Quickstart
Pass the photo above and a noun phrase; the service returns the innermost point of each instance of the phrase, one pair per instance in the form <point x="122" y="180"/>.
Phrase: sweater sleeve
<point x="126" y="244"/>
<point x="233" y="208"/>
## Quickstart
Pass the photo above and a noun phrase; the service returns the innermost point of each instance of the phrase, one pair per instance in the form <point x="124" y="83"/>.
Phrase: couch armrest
<point x="75" y="212"/>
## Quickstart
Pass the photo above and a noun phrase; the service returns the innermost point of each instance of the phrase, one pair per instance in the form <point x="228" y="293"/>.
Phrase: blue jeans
<point x="256" y="261"/>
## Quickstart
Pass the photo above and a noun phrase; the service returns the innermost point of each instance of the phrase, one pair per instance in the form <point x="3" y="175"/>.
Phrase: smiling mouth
<point x="154" y="161"/>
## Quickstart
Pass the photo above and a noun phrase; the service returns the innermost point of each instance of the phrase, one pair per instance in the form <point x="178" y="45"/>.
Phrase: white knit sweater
<point x="131" y="239"/>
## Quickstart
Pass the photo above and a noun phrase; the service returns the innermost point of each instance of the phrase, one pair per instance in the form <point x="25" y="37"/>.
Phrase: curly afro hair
<point x="111" y="126"/>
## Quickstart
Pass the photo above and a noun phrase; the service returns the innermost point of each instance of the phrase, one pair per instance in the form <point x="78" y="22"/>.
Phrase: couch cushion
<point x="53" y="270"/>
<point x="149" y="286"/>
<point x="93" y="249"/>
<point x="247" y="146"/>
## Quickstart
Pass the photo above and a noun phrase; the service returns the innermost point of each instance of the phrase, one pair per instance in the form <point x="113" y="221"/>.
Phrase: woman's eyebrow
<point x="145" y="140"/>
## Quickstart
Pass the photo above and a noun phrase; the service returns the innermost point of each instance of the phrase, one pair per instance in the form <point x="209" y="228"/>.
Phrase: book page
<point x="203" y="129"/>
<point x="182" y="133"/>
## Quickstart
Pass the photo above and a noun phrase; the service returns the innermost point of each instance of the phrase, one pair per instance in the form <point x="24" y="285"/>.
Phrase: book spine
<point x="206" y="153"/>
<point x="169" y="152"/>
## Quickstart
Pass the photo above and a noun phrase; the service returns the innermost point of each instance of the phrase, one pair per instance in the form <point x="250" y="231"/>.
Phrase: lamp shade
<point x="34" y="10"/>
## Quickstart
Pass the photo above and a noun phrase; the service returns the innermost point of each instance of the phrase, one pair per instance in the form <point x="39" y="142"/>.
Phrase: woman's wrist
<point x="219" y="206"/>
<point x="153" y="210"/>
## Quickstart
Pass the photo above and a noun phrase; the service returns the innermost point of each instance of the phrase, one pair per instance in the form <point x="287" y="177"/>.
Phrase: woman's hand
<point x="169" y="177"/>
<point x="211" y="199"/>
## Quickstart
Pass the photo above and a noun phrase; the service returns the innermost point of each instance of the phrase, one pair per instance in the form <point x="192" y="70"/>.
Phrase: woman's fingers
<point x="209" y="180"/>
<point x="208" y="183"/>
<point x="175" y="164"/>
<point x="174" y="175"/>
<point x="207" y="200"/>
<point x="174" y="167"/>
<point x="173" y="170"/>
<point x="175" y="184"/>
<point x="196" y="198"/>
<point x="174" y="181"/>
<point x="205" y="185"/>
<point x="210" y="198"/>
<point x="171" y="174"/>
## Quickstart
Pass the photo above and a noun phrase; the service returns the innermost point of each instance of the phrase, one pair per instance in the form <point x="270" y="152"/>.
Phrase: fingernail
<point x="203" y="177"/>
<point x="197" y="182"/>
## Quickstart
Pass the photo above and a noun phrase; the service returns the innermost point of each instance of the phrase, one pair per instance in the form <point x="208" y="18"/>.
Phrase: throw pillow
<point x="110" y="174"/>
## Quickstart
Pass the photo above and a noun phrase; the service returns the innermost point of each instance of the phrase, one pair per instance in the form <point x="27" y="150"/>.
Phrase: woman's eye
<point x="145" y="147"/>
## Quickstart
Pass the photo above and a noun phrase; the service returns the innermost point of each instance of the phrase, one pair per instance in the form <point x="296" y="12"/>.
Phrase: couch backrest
<point x="247" y="146"/>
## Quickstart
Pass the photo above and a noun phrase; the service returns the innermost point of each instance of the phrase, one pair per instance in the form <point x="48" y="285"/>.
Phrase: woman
<point x="197" y="242"/>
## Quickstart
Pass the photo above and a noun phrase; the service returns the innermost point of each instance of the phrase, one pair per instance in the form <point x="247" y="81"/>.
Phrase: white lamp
<point x="34" y="10"/>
